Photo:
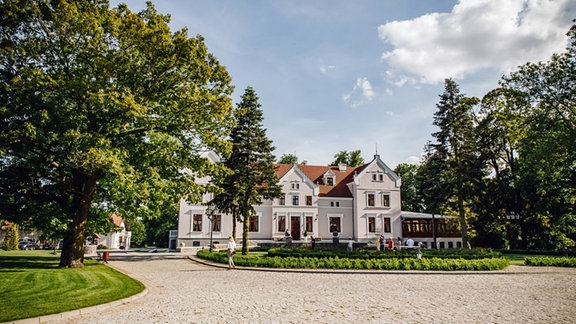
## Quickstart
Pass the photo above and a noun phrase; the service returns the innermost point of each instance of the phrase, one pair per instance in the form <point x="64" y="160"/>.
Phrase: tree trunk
<point x="234" y="221"/>
<point x="463" y="222"/>
<point x="73" y="245"/>
<point x="246" y="221"/>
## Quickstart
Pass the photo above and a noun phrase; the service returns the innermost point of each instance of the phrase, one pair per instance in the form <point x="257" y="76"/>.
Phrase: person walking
<point x="231" y="249"/>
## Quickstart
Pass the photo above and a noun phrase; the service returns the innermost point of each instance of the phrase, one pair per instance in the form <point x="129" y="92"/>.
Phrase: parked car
<point x="47" y="246"/>
<point x="26" y="245"/>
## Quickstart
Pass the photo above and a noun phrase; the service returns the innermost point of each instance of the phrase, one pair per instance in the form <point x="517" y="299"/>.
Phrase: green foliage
<point x="352" y="158"/>
<point x="348" y="262"/>
<point x="253" y="174"/>
<point x="455" y="152"/>
<point x="10" y="241"/>
<point x="288" y="159"/>
<point x="551" y="261"/>
<point x="525" y="134"/>
<point x="468" y="254"/>
<point x="410" y="186"/>
<point x="138" y="233"/>
<point x="101" y="110"/>
<point x="32" y="285"/>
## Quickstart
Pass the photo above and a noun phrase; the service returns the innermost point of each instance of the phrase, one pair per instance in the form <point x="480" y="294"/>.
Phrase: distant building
<point x="361" y="203"/>
<point x="119" y="239"/>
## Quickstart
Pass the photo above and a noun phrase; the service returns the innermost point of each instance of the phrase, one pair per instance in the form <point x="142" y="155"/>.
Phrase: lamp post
<point x="514" y="218"/>
<point x="210" y="213"/>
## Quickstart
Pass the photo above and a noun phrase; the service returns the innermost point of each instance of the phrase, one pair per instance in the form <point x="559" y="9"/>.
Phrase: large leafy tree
<point x="288" y="159"/>
<point x="102" y="110"/>
<point x="352" y="158"/>
<point x="500" y="129"/>
<point x="253" y="174"/>
<point x="547" y="163"/>
<point x="410" y="185"/>
<point x="456" y="150"/>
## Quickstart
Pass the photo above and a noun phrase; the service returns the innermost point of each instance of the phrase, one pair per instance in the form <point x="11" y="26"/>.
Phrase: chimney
<point x="341" y="167"/>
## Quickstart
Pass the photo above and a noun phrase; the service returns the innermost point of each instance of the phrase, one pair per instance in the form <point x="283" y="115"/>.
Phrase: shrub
<point x="357" y="263"/>
<point x="468" y="254"/>
<point x="550" y="261"/>
<point x="10" y="241"/>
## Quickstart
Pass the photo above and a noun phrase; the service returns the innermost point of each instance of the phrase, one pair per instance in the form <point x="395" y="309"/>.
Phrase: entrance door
<point x="295" y="227"/>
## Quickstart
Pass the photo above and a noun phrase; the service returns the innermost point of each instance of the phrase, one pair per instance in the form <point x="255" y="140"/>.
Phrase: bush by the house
<point x="550" y="261"/>
<point x="358" y="263"/>
<point x="472" y="254"/>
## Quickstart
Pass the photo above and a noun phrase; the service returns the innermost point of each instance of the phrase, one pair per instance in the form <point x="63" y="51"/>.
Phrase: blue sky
<point x="337" y="75"/>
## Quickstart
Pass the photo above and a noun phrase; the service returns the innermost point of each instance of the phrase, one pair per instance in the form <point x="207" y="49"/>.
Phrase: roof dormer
<point x="329" y="178"/>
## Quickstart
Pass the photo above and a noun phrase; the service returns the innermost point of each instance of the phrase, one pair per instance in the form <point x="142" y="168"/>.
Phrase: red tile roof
<point x="316" y="174"/>
<point x="116" y="219"/>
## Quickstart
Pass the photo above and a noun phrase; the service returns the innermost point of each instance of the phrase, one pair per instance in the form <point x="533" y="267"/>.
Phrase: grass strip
<point x="33" y="285"/>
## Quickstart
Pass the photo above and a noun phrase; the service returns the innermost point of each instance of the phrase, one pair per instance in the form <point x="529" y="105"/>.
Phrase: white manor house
<point x="357" y="203"/>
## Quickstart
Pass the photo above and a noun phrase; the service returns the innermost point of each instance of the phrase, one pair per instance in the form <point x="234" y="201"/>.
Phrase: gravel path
<point x="183" y="291"/>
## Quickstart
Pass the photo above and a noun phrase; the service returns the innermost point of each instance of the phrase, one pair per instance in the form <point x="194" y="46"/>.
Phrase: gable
<point x="317" y="174"/>
<point x="378" y="173"/>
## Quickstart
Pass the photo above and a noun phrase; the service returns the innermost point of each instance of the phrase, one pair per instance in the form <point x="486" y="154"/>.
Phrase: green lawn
<point x="516" y="259"/>
<point x="31" y="284"/>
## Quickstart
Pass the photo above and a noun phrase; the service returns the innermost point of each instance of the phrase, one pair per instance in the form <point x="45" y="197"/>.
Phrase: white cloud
<point x="361" y="93"/>
<point x="476" y="35"/>
<point x="326" y="68"/>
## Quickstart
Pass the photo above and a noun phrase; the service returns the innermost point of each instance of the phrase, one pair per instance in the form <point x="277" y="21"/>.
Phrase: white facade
<point x="359" y="203"/>
<point x="119" y="239"/>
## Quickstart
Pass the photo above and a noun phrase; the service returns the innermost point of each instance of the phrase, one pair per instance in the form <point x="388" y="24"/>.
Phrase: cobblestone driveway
<point x="182" y="291"/>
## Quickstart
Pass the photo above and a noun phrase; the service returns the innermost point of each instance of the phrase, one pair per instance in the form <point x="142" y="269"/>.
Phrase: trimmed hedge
<point x="357" y="263"/>
<point x="472" y="254"/>
<point x="550" y="261"/>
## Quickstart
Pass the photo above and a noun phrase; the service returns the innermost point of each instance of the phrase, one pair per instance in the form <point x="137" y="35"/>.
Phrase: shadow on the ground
<point x="144" y="257"/>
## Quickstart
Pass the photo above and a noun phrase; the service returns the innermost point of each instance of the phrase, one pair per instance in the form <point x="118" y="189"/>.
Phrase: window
<point x="334" y="204"/>
<point x="253" y="224"/>
<point x="387" y="227"/>
<point x="442" y="245"/>
<point x="381" y="177"/>
<point x="308" y="200"/>
<point x="197" y="223"/>
<point x="371" y="200"/>
<point x="216" y="223"/>
<point x="371" y="224"/>
<point x="450" y="244"/>
<point x="309" y="224"/>
<point x="282" y="224"/>
<point x="295" y="185"/>
<point x="295" y="200"/>
<point x="335" y="224"/>
<point x="374" y="177"/>
<point x="282" y="201"/>
<point x="337" y="204"/>
<point x="331" y="204"/>
<point x="330" y="181"/>
<point x="386" y="200"/>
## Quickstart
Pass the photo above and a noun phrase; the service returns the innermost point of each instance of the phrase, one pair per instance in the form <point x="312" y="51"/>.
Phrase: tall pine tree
<point x="253" y="174"/>
<point x="456" y="149"/>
